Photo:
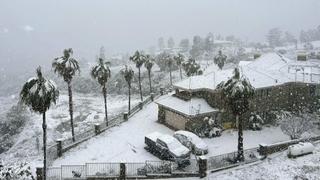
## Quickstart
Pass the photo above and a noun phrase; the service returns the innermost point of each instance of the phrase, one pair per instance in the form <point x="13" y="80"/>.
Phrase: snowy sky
<point x="36" y="30"/>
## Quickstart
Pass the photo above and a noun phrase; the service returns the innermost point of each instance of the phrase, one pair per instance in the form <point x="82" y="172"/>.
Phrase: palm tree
<point x="66" y="67"/>
<point x="128" y="74"/>
<point x="148" y="65"/>
<point x="101" y="72"/>
<point x="220" y="59"/>
<point x="237" y="91"/>
<point x="39" y="93"/>
<point x="191" y="67"/>
<point x="179" y="60"/>
<point x="138" y="58"/>
<point x="169" y="62"/>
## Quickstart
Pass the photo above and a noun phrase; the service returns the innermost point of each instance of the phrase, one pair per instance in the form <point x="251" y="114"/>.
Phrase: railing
<point x="73" y="171"/>
<point x="113" y="170"/>
<point x="102" y="170"/>
<point x="53" y="150"/>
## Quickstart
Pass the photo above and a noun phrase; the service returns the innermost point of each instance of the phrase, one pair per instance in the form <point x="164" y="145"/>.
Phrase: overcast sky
<point x="38" y="30"/>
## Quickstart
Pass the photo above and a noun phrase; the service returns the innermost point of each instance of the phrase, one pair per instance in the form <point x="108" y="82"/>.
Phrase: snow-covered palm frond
<point x="149" y="63"/>
<point x="220" y="59"/>
<point x="101" y="72"/>
<point x="39" y="93"/>
<point x="237" y="91"/>
<point x="127" y="73"/>
<point x="66" y="66"/>
<point x="179" y="59"/>
<point x="191" y="67"/>
<point x="138" y="58"/>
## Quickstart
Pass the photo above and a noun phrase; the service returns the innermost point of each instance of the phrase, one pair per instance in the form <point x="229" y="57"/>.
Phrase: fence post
<point x="263" y="150"/>
<point x="59" y="147"/>
<point x="161" y="91"/>
<point x="122" y="171"/>
<point x="203" y="166"/>
<point x="140" y="105"/>
<point x="39" y="172"/>
<point x="97" y="129"/>
<point x="125" y="116"/>
<point x="152" y="96"/>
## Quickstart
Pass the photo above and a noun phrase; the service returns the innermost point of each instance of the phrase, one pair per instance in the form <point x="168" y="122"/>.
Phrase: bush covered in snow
<point x="20" y="171"/>
<point x="296" y="125"/>
<point x="206" y="127"/>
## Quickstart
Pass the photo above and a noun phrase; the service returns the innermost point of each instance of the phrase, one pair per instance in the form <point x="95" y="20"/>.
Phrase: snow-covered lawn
<point x="126" y="142"/>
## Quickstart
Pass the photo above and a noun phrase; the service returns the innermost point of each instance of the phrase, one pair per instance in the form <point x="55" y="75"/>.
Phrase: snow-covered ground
<point x="126" y="142"/>
<point x="88" y="110"/>
<point x="280" y="167"/>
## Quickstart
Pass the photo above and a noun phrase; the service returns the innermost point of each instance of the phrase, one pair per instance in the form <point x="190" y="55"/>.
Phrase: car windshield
<point x="174" y="144"/>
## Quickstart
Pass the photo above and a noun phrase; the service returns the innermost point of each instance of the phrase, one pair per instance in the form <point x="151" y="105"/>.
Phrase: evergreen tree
<point x="128" y="74"/>
<point x="39" y="93"/>
<point x="66" y="67"/>
<point x="138" y="58"/>
<point x="237" y="91"/>
<point x="101" y="72"/>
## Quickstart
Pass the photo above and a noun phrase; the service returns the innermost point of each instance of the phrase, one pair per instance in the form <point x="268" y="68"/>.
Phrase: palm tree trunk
<point x="170" y="76"/>
<point x="240" y="139"/>
<point x="140" y="85"/>
<point x="180" y="72"/>
<point x="71" y="110"/>
<point x="149" y="74"/>
<point x="104" y="91"/>
<point x="44" y="128"/>
<point x="129" y="105"/>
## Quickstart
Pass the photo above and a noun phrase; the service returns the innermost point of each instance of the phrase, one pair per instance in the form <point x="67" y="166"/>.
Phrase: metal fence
<point x="216" y="162"/>
<point x="52" y="153"/>
<point x="158" y="168"/>
<point x="54" y="173"/>
<point x="136" y="170"/>
<point x="73" y="171"/>
<point x="103" y="169"/>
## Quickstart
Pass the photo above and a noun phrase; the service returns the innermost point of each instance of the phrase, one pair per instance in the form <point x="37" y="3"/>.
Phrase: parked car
<point x="191" y="141"/>
<point x="167" y="147"/>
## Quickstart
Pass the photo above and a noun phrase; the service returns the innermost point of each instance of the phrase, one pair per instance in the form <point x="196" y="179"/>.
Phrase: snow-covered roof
<point x="268" y="70"/>
<point x="194" y="106"/>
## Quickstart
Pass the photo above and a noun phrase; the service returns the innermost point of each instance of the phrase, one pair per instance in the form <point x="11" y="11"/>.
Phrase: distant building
<point x="278" y="82"/>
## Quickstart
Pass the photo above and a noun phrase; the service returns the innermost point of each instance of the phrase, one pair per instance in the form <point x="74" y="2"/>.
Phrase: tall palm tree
<point x="101" y="72"/>
<point x="128" y="74"/>
<point x="237" y="91"/>
<point x="39" y="93"/>
<point x="191" y="67"/>
<point x="138" y="58"/>
<point x="66" y="67"/>
<point x="179" y="60"/>
<point x="220" y="59"/>
<point x="148" y="65"/>
<point x="169" y="61"/>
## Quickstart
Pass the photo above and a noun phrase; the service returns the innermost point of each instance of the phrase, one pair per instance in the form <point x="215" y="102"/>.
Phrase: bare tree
<point x="295" y="126"/>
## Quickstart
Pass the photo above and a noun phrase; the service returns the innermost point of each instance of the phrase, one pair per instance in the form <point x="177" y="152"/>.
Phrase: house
<point x="278" y="84"/>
